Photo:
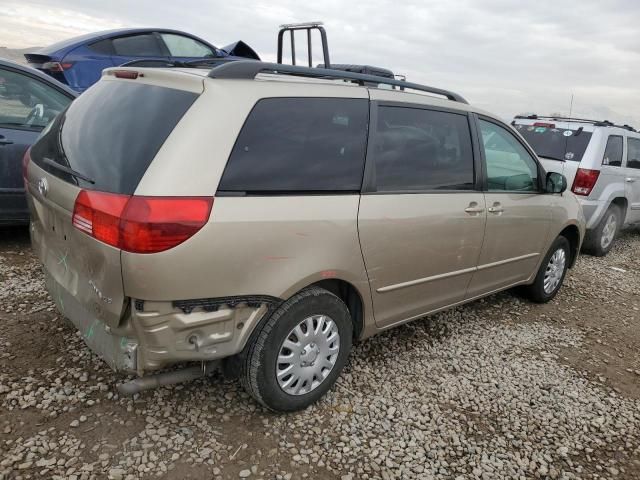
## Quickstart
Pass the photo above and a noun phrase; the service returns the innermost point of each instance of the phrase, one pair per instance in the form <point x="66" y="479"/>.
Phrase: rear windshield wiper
<point x="70" y="171"/>
<point x="549" y="157"/>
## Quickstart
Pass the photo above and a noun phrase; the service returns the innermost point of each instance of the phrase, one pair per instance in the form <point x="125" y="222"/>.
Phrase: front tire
<point x="599" y="241"/>
<point x="299" y="352"/>
<point x="551" y="273"/>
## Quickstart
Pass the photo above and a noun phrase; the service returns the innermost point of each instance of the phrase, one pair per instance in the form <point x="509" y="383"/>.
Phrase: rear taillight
<point x="544" y="124"/>
<point x="26" y="158"/>
<point x="140" y="224"/>
<point x="129" y="74"/>
<point x="585" y="181"/>
<point x="56" y="66"/>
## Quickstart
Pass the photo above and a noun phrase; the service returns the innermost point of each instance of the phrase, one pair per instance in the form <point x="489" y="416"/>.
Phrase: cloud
<point x="504" y="56"/>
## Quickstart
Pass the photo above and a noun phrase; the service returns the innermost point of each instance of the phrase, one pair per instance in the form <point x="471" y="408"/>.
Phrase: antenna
<point x="566" y="138"/>
<point x="571" y="106"/>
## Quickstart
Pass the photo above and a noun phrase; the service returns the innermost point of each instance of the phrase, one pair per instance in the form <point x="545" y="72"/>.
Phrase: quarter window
<point x="180" y="46"/>
<point x="633" y="155"/>
<point x="509" y="166"/>
<point x="613" y="152"/>
<point x="145" y="45"/>
<point x="417" y="149"/>
<point x="300" y="145"/>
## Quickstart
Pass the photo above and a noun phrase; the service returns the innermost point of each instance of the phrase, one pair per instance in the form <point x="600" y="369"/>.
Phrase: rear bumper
<point x="593" y="211"/>
<point x="13" y="207"/>
<point x="119" y="352"/>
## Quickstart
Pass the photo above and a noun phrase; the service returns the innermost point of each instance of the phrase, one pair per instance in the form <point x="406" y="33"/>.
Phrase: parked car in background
<point x="340" y="210"/>
<point x="29" y="100"/>
<point x="602" y="164"/>
<point x="79" y="61"/>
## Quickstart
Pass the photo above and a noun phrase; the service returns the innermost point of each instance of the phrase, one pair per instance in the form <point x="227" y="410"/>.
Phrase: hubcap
<point x="555" y="270"/>
<point x="609" y="231"/>
<point x="307" y="355"/>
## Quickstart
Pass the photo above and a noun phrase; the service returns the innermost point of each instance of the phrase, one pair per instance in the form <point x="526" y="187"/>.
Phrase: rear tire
<point x="552" y="271"/>
<point x="598" y="242"/>
<point x="299" y="352"/>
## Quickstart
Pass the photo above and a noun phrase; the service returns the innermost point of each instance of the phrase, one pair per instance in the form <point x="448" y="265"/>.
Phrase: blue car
<point x="79" y="61"/>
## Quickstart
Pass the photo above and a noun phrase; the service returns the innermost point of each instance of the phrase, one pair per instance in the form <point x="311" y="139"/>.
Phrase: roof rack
<point x="308" y="26"/>
<point x="248" y="69"/>
<point x="597" y="123"/>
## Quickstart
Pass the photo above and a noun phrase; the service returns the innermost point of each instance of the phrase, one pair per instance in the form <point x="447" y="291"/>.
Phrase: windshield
<point x="556" y="143"/>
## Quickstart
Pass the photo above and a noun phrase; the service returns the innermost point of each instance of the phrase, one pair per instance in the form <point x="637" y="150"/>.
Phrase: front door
<point x="421" y="218"/>
<point x="518" y="212"/>
<point x="632" y="179"/>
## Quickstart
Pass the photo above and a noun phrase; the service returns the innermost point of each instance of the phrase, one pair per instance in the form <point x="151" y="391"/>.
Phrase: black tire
<point x="258" y="371"/>
<point x="536" y="290"/>
<point x="593" y="238"/>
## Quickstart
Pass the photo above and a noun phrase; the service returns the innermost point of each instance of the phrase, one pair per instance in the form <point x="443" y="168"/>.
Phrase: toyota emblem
<point x="43" y="187"/>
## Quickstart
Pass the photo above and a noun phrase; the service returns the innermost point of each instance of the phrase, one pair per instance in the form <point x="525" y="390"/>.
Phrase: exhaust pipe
<point x="168" y="378"/>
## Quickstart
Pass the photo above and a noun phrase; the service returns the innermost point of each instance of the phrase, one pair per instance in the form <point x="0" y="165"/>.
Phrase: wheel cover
<point x="609" y="231"/>
<point x="307" y="355"/>
<point x="554" y="271"/>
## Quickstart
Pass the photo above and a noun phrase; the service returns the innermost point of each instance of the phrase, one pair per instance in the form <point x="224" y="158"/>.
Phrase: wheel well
<point x="350" y="296"/>
<point x="572" y="234"/>
<point x="622" y="203"/>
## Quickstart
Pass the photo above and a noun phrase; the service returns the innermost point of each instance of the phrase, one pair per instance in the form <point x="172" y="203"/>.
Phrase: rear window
<point x="300" y="145"/>
<point x="556" y="143"/>
<point x="110" y="134"/>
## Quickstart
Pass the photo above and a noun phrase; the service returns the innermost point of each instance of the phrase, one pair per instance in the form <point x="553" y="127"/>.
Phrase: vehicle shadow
<point x="14" y="236"/>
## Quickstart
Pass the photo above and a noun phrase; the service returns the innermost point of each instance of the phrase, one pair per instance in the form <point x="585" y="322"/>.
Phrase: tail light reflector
<point x="140" y="224"/>
<point x="585" y="181"/>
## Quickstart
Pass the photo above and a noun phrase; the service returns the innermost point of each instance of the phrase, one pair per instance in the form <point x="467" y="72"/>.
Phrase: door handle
<point x="629" y="180"/>
<point x="474" y="208"/>
<point x="5" y="142"/>
<point x="497" y="208"/>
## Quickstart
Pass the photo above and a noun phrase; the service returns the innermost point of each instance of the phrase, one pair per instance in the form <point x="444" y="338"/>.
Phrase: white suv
<point x="602" y="163"/>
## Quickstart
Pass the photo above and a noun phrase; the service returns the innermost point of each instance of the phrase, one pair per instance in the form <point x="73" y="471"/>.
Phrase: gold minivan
<point x="268" y="216"/>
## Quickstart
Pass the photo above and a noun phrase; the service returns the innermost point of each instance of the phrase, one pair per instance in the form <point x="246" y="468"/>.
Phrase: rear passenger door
<point x="139" y="46"/>
<point x="518" y="211"/>
<point x="632" y="179"/>
<point x="422" y="216"/>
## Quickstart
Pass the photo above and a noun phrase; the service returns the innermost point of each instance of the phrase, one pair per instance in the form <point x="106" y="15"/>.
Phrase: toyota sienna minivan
<point x="259" y="214"/>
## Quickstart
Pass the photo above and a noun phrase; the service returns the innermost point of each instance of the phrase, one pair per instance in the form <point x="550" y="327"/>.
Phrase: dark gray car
<point x="29" y="100"/>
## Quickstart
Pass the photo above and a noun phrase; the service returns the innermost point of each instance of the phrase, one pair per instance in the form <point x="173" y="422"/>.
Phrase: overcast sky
<point x="503" y="55"/>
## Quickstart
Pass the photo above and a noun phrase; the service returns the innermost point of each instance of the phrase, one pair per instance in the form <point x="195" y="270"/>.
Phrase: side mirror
<point x="556" y="182"/>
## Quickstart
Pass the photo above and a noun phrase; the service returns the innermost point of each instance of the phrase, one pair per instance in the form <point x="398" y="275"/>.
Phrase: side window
<point x="633" y="155"/>
<point x="418" y="149"/>
<point x="510" y="167"/>
<point x="180" y="46"/>
<point x="613" y="152"/>
<point x="103" y="47"/>
<point x="26" y="102"/>
<point x="145" y="45"/>
<point x="300" y="145"/>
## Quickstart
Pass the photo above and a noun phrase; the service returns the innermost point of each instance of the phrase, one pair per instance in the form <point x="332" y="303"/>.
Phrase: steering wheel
<point x="37" y="112"/>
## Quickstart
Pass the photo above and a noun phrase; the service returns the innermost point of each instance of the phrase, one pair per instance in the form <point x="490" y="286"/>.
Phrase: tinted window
<point x="145" y="45"/>
<point x="509" y="166"/>
<point x="103" y="47"/>
<point x="633" y="154"/>
<point x="422" y="150"/>
<point x="555" y="143"/>
<point x="111" y="133"/>
<point x="300" y="144"/>
<point x="613" y="152"/>
<point x="28" y="103"/>
<point x="180" y="46"/>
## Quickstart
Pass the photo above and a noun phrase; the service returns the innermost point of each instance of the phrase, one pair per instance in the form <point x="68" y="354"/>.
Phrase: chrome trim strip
<point x="508" y="260"/>
<point x="411" y="283"/>
<point x="418" y="281"/>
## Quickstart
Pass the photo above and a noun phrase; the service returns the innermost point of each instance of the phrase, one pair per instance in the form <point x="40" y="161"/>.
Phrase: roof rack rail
<point x="597" y="123"/>
<point x="308" y="26"/>
<point x="248" y="69"/>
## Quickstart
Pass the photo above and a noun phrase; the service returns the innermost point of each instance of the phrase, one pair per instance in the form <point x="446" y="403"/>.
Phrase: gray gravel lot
<point x="500" y="388"/>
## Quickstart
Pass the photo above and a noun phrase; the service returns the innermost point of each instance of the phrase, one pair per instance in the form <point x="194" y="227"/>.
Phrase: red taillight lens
<point x="585" y="181"/>
<point x="544" y="124"/>
<point x="131" y="75"/>
<point x="140" y="224"/>
<point x="25" y="163"/>
<point x="56" y="66"/>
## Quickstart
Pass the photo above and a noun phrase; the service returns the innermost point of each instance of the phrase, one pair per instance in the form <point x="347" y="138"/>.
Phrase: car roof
<point x="40" y="75"/>
<point x="70" y="43"/>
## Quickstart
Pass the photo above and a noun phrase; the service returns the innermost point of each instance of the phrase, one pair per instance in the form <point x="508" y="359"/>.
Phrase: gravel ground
<point x="500" y="388"/>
